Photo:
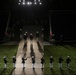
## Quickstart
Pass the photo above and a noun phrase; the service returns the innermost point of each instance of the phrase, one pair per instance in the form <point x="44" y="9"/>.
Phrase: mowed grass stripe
<point x="56" y="52"/>
<point x="9" y="51"/>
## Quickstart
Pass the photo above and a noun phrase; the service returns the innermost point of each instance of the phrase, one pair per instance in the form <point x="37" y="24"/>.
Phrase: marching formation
<point x="25" y="58"/>
<point x="60" y="60"/>
<point x="23" y="62"/>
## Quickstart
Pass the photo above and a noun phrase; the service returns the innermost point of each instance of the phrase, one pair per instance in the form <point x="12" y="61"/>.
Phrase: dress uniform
<point x="37" y="34"/>
<point x="14" y="61"/>
<point x="31" y="36"/>
<point x="68" y="60"/>
<point x="42" y="62"/>
<point x="60" y="62"/>
<point x="51" y="61"/>
<point x="25" y="37"/>
<point x="23" y="62"/>
<point x="33" y="61"/>
<point x="5" y="62"/>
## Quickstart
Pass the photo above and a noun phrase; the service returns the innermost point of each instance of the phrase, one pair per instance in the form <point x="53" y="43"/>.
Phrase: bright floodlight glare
<point x="40" y="3"/>
<point x="19" y="0"/>
<point x="34" y="0"/>
<point x="18" y="3"/>
<point x="23" y="3"/>
<point x="29" y="3"/>
<point x="38" y="0"/>
<point x="35" y="3"/>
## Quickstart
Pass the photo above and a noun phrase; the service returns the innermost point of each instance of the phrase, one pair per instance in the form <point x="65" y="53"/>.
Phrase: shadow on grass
<point x="2" y="71"/>
<point x="71" y="72"/>
<point x="53" y="72"/>
<point x="62" y="72"/>
<point x="12" y="71"/>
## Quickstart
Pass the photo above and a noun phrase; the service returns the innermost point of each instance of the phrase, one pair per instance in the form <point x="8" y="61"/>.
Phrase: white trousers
<point x="60" y="65"/>
<point x="68" y="65"/>
<point x="51" y="65"/>
<point x="5" y="65"/>
<point x="42" y="66"/>
<point x="14" y="65"/>
<point x="33" y="65"/>
<point x="23" y="65"/>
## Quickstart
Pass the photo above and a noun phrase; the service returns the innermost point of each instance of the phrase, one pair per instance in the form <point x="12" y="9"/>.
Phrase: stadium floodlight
<point x="35" y="3"/>
<point x="23" y="3"/>
<point x="34" y="0"/>
<point x="19" y="0"/>
<point x="18" y="3"/>
<point x="40" y="3"/>
<point x="29" y="3"/>
<point x="38" y="0"/>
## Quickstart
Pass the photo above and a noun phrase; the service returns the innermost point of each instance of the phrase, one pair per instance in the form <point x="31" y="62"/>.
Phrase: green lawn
<point x="8" y="51"/>
<point x="56" y="52"/>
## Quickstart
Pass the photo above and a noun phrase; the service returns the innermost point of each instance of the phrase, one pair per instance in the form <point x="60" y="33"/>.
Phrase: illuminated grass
<point x="9" y="51"/>
<point x="57" y="51"/>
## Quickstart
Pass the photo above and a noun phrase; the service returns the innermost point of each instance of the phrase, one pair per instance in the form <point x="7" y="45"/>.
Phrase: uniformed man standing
<point x="68" y="60"/>
<point x="25" y="37"/>
<point x="60" y="62"/>
<point x="14" y="62"/>
<point x="27" y="34"/>
<point x="37" y="34"/>
<point x="33" y="61"/>
<point x="51" y="61"/>
<point x="23" y="62"/>
<point x="42" y="62"/>
<point x="31" y="36"/>
<point x="5" y="62"/>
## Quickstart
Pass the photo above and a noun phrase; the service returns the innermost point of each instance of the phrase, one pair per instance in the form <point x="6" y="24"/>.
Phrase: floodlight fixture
<point x="35" y="3"/>
<point x="18" y="3"/>
<point x="23" y="3"/>
<point x="19" y="0"/>
<point x="29" y="3"/>
<point x="40" y="3"/>
<point x="38" y="0"/>
<point x="34" y="0"/>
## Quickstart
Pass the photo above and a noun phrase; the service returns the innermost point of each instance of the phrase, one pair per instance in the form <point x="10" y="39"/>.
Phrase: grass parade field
<point x="56" y="52"/>
<point x="9" y="52"/>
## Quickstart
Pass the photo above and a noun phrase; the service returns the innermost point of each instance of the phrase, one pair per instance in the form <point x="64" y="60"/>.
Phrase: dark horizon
<point x="62" y="14"/>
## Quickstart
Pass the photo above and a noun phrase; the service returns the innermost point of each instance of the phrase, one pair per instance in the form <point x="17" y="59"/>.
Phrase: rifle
<point x="27" y="57"/>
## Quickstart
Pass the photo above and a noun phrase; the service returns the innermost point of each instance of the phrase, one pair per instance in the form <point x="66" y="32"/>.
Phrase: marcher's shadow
<point x="39" y="47"/>
<point x="34" y="71"/>
<point x="24" y="73"/>
<point x="2" y="71"/>
<point x="63" y="72"/>
<point x="25" y="46"/>
<point x="12" y="71"/>
<point x="32" y="53"/>
<point x="42" y="69"/>
<point x="71" y="72"/>
<point x="53" y="72"/>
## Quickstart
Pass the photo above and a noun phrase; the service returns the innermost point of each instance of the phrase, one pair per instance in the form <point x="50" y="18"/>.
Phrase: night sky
<point x="62" y="13"/>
